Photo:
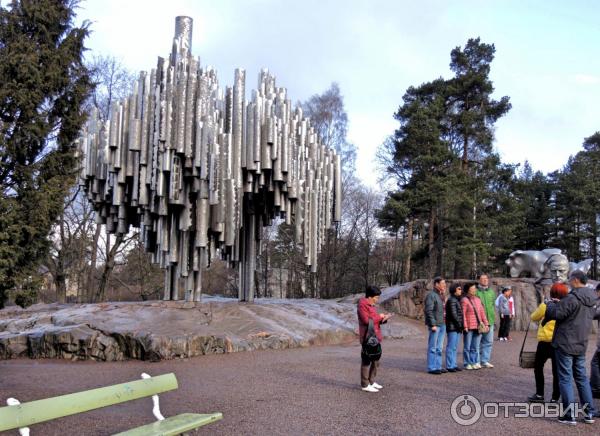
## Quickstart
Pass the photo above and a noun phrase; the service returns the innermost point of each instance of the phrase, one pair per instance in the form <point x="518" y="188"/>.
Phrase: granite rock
<point x="158" y="330"/>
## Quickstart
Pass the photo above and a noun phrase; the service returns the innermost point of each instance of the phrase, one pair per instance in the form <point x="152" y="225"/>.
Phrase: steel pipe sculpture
<point x="199" y="170"/>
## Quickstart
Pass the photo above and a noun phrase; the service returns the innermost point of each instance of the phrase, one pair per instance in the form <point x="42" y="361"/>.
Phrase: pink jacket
<point x="470" y="320"/>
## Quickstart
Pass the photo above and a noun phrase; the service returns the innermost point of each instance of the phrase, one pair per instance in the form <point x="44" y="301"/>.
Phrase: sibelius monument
<point x="198" y="170"/>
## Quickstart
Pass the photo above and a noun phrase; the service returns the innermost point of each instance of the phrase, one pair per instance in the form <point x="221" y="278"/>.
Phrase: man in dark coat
<point x="595" y="365"/>
<point x="434" y="319"/>
<point x="573" y="315"/>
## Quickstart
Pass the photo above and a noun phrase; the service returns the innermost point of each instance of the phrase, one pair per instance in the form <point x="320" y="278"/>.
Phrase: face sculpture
<point x="558" y="266"/>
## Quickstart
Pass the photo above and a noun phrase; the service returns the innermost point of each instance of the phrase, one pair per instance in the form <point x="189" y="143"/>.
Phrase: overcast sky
<point x="547" y="57"/>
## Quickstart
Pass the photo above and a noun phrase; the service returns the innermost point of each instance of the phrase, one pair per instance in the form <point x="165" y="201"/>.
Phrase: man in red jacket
<point x="366" y="310"/>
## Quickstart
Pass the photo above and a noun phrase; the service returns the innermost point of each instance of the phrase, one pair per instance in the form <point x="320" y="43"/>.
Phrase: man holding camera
<point x="573" y="315"/>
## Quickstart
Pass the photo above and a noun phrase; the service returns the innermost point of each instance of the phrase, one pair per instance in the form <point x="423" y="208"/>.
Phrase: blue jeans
<point x="472" y="338"/>
<point x="569" y="367"/>
<point x="434" y="348"/>
<point x="487" y="340"/>
<point x="451" y="349"/>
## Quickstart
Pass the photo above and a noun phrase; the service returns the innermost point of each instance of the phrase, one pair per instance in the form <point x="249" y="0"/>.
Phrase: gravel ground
<point x="295" y="392"/>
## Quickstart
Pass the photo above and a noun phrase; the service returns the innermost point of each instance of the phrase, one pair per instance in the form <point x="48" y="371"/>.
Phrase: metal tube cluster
<point x="199" y="170"/>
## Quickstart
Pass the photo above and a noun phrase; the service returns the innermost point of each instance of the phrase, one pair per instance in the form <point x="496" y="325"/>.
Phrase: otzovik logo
<point x="467" y="410"/>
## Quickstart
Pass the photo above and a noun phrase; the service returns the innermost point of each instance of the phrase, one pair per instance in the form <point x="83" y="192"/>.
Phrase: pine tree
<point x="42" y="92"/>
<point x="534" y="192"/>
<point x="472" y="111"/>
<point x="452" y="183"/>
<point x="577" y="197"/>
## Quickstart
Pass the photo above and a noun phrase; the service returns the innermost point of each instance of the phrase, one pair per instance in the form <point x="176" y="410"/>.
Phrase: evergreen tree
<point x="471" y="116"/>
<point x="43" y="88"/>
<point x="472" y="111"/>
<point x="591" y="145"/>
<point x="449" y="178"/>
<point x="534" y="192"/>
<point x="577" y="197"/>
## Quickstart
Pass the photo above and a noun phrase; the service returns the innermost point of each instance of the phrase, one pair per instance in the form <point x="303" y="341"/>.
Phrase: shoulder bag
<point x="371" y="347"/>
<point x="481" y="327"/>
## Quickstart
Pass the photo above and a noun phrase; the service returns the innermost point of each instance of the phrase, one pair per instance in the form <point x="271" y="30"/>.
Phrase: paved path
<point x="297" y="392"/>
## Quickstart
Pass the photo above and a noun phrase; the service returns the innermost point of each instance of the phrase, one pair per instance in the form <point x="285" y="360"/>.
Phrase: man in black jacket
<point x="573" y="315"/>
<point x="434" y="318"/>
<point x="595" y="365"/>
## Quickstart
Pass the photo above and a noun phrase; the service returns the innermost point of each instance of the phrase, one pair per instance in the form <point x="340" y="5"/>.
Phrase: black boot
<point x="535" y="398"/>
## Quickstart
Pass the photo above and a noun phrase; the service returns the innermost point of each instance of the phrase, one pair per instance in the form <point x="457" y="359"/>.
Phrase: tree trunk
<point x="439" y="242"/>
<point x="60" y="273"/>
<point x="408" y="251"/>
<point x="61" y="284"/>
<point x="474" y="259"/>
<point x="394" y="259"/>
<point x="329" y="251"/>
<point x="280" y="281"/>
<point x="109" y="265"/>
<point x="367" y="260"/>
<point x="256" y="284"/>
<point x="594" y="247"/>
<point x="88" y="292"/>
<point x="465" y="151"/>
<point x="103" y="284"/>
<point x="267" y="292"/>
<point x="430" y="242"/>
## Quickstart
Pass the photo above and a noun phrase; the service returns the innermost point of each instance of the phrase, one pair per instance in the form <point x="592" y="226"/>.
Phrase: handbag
<point x="526" y="358"/>
<point x="371" y="347"/>
<point x="481" y="327"/>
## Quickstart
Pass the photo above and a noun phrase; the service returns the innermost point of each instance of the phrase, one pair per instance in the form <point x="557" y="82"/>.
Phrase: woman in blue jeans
<point x="473" y="315"/>
<point x="454" y="326"/>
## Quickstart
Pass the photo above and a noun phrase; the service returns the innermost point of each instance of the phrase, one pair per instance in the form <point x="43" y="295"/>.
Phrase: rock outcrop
<point x="157" y="330"/>
<point x="169" y="329"/>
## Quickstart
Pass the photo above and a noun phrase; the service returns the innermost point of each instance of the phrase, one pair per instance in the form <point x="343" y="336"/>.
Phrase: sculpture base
<point x="157" y="330"/>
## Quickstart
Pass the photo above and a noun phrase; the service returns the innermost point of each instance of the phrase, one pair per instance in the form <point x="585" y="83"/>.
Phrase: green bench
<point x="19" y="416"/>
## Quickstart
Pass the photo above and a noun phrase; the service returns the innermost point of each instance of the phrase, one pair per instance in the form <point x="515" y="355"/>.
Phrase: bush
<point x="26" y="298"/>
<point x="26" y="294"/>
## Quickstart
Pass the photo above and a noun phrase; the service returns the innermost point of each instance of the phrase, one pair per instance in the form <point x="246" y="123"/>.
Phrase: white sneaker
<point x="487" y="365"/>
<point x="370" y="388"/>
<point x="477" y="366"/>
<point x="377" y="386"/>
<point x="469" y="366"/>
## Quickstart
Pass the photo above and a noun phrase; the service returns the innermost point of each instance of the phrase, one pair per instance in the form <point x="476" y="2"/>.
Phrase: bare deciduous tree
<point x="113" y="83"/>
<point x="70" y="241"/>
<point x="141" y="278"/>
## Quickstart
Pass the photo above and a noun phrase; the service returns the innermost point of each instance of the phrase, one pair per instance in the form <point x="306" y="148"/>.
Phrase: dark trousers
<point x="504" y="327"/>
<point x="545" y="351"/>
<point x="595" y="373"/>
<point x="368" y="370"/>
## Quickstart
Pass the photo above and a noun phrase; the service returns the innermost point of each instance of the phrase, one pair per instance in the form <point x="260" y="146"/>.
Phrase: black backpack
<point x="371" y="347"/>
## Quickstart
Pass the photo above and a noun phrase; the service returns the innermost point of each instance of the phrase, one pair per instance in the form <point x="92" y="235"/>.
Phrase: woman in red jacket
<point x="473" y="314"/>
<point x="366" y="310"/>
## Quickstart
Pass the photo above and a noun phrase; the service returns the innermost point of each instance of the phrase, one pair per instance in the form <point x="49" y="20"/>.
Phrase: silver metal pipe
<point x="196" y="162"/>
